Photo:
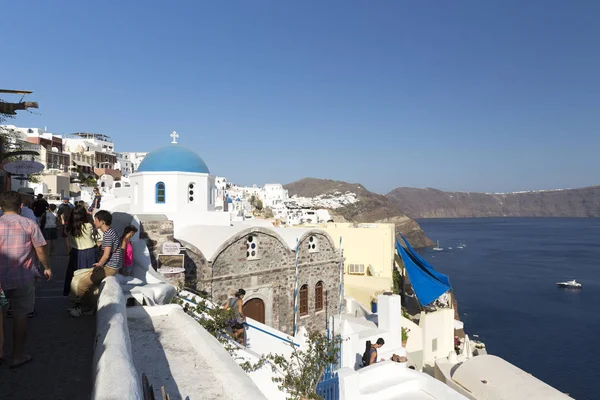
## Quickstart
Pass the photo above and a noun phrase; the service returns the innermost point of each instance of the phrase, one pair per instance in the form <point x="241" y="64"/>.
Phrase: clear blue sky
<point x="457" y="95"/>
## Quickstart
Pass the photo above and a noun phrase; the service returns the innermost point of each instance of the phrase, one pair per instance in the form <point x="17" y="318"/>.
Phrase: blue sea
<point x="505" y="283"/>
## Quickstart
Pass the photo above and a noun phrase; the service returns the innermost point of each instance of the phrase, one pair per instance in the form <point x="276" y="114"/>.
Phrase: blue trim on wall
<point x="272" y="334"/>
<point x="252" y="326"/>
<point x="164" y="196"/>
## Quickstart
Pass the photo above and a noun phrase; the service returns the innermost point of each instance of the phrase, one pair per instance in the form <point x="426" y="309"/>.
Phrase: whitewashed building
<point x="273" y="194"/>
<point x="129" y="162"/>
<point x="175" y="181"/>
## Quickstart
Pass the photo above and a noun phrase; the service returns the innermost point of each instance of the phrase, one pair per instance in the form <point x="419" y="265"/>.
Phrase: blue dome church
<point x="174" y="180"/>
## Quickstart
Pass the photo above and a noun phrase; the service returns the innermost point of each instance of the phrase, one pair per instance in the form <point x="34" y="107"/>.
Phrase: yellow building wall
<point x="368" y="244"/>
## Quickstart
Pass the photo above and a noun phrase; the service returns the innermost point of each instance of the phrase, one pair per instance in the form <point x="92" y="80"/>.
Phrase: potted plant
<point x="405" y="336"/>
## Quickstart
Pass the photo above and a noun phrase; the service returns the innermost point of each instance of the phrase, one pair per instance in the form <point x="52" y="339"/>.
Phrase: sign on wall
<point x="171" y="263"/>
<point x="23" y="167"/>
<point x="170" y="248"/>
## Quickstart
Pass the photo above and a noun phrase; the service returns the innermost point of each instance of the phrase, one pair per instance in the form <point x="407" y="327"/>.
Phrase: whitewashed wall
<point x="263" y="339"/>
<point x="115" y="376"/>
<point x="176" y="198"/>
<point x="392" y="381"/>
<point x="355" y="331"/>
<point x="437" y="327"/>
<point x="414" y="345"/>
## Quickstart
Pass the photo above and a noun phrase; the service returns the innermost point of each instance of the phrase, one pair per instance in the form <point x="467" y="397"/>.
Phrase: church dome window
<point x="161" y="193"/>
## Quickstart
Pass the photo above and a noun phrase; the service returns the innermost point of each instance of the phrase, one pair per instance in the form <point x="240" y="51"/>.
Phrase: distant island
<point x="433" y="203"/>
<point x="402" y="205"/>
<point x="365" y="206"/>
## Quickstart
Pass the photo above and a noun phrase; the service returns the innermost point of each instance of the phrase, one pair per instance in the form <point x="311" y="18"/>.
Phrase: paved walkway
<point x="61" y="346"/>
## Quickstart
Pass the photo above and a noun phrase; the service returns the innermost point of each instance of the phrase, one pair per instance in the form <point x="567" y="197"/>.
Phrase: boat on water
<point x="461" y="245"/>
<point x="438" y="248"/>
<point x="569" y="284"/>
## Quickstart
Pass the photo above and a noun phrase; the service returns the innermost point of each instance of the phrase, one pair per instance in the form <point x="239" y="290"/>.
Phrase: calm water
<point x="505" y="284"/>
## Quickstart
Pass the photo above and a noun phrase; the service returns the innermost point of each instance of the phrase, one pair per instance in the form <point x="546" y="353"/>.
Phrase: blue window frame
<point x="161" y="193"/>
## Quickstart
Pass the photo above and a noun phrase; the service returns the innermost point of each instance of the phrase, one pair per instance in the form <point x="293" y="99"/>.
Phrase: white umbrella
<point x="467" y="349"/>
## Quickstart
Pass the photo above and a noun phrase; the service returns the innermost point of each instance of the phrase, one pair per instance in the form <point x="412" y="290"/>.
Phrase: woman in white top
<point x="84" y="239"/>
<point x="49" y="226"/>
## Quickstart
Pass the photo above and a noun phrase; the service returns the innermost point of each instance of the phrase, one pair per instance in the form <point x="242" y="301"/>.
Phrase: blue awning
<point x="424" y="263"/>
<point x="427" y="286"/>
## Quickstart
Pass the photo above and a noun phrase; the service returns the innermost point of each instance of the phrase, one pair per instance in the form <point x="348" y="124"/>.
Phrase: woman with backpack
<point x="84" y="238"/>
<point x="370" y="355"/>
<point x="237" y="323"/>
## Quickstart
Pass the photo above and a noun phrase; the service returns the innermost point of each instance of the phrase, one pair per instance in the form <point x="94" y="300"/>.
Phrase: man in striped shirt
<point x="109" y="264"/>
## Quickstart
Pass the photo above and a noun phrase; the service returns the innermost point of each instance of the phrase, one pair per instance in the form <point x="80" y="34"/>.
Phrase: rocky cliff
<point x="370" y="207"/>
<point x="432" y="203"/>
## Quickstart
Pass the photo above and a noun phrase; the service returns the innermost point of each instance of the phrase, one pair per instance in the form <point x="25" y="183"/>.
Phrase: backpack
<point x="366" y="358"/>
<point x="63" y="209"/>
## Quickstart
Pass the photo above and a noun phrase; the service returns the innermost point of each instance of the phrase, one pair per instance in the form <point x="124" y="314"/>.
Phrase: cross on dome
<point x="174" y="135"/>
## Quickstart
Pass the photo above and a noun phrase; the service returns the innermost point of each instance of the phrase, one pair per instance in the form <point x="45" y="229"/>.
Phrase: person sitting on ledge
<point x="109" y="264"/>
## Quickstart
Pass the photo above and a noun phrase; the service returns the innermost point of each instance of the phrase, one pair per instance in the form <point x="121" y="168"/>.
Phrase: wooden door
<point x="255" y="309"/>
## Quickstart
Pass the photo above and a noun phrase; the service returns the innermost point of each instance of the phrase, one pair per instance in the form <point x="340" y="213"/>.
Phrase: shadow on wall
<point x="122" y="355"/>
<point x="120" y="221"/>
<point x="149" y="357"/>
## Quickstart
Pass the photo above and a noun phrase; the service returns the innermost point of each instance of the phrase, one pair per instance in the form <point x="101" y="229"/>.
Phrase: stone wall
<point x="271" y="276"/>
<point x="324" y="266"/>
<point x="155" y="232"/>
<point x="194" y="264"/>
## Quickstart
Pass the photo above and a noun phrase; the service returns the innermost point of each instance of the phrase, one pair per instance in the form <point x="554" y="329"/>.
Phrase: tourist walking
<point x="127" y="249"/>
<point x="84" y="238"/>
<point x="49" y="224"/>
<point x="26" y="211"/>
<point x="3" y="303"/>
<point x="40" y="205"/>
<point x="237" y="323"/>
<point x="21" y="240"/>
<point x="96" y="202"/>
<point x="64" y="212"/>
<point x="109" y="264"/>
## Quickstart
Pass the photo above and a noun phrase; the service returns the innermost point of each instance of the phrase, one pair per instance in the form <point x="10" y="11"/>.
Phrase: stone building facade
<point x="260" y="261"/>
<point x="155" y="230"/>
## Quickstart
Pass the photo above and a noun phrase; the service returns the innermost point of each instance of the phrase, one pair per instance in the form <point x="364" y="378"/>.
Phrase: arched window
<point x="161" y="194"/>
<point x="304" y="300"/>
<point x="319" y="296"/>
